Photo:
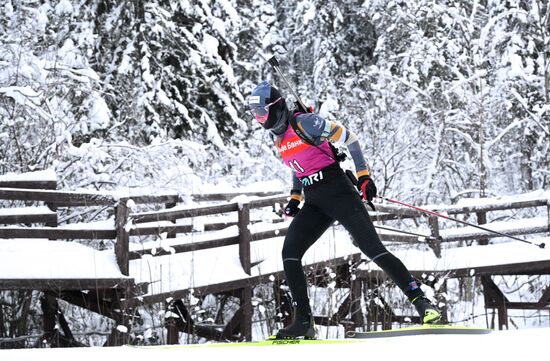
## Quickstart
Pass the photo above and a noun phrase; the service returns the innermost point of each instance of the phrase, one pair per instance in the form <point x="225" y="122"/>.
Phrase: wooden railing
<point x="130" y="223"/>
<point x="121" y="231"/>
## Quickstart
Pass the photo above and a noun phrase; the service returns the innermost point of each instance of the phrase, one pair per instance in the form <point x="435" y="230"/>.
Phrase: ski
<point x="272" y="341"/>
<point x="427" y="329"/>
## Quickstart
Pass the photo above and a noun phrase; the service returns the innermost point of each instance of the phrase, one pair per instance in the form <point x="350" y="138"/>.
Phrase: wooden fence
<point x="131" y="222"/>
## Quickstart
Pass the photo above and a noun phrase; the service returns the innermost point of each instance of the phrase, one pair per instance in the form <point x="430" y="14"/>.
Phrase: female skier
<point x="329" y="196"/>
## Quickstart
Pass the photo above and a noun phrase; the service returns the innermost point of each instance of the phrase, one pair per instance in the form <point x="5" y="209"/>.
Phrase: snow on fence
<point x="129" y="222"/>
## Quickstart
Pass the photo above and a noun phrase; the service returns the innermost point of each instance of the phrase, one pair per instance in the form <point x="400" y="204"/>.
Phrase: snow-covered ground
<point x="525" y="344"/>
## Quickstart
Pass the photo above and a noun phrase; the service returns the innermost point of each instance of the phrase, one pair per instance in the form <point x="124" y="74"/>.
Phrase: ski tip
<point x="420" y="330"/>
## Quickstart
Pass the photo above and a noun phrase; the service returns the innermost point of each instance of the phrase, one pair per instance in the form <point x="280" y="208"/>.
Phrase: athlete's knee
<point x="290" y="253"/>
<point x="373" y="250"/>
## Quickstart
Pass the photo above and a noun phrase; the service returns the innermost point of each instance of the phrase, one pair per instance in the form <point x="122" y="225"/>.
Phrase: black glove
<point x="292" y="208"/>
<point x="366" y="186"/>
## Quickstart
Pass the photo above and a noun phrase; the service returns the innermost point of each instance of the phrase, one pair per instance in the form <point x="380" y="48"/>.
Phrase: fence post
<point x="482" y="219"/>
<point x="171" y="234"/>
<point x="122" y="245"/>
<point x="245" y="237"/>
<point x="434" y="243"/>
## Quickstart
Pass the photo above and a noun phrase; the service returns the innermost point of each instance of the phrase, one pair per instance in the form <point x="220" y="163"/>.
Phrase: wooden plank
<point x="162" y="297"/>
<point x="476" y="234"/>
<point x="187" y="247"/>
<point x="58" y="198"/>
<point x="492" y="205"/>
<point x="525" y="268"/>
<point x="149" y="199"/>
<point x="145" y="230"/>
<point x="176" y="198"/>
<point x="31" y="184"/>
<point x="396" y="237"/>
<point x="156" y="229"/>
<point x="526" y="306"/>
<point x="170" y="214"/>
<point x="98" y="302"/>
<point x="56" y="233"/>
<point x="45" y="284"/>
<point x="49" y="218"/>
<point x="197" y="246"/>
<point x="394" y="212"/>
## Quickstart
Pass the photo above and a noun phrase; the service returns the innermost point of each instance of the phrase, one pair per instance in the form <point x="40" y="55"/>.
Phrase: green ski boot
<point x="427" y="311"/>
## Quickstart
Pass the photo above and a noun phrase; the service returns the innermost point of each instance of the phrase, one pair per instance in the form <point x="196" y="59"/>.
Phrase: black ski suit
<point x="330" y="196"/>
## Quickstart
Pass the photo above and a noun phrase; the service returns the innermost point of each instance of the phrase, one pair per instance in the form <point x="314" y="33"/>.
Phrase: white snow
<point x="99" y="113"/>
<point x="42" y="175"/>
<point x="43" y="259"/>
<point x="64" y="7"/>
<point x="25" y="211"/>
<point x="469" y="257"/>
<point x="21" y="94"/>
<point x="525" y="344"/>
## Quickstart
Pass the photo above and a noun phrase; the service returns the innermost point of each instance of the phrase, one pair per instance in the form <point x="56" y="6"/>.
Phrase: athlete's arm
<point x="337" y="134"/>
<point x="297" y="185"/>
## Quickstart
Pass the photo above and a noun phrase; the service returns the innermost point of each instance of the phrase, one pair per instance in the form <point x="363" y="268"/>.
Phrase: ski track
<point x="513" y="345"/>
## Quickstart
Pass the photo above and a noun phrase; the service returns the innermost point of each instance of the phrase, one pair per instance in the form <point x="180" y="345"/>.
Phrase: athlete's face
<point x="261" y="113"/>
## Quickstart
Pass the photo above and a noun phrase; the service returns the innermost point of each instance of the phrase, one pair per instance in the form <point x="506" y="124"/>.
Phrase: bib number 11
<point x="295" y="166"/>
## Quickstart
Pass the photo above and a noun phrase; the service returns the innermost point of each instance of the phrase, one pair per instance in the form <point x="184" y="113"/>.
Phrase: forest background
<point x="448" y="98"/>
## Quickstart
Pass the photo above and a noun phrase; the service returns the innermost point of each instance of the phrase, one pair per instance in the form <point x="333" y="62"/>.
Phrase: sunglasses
<point x="262" y="113"/>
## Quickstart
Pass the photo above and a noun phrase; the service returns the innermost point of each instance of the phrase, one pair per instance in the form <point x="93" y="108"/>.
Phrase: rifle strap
<point x="308" y="139"/>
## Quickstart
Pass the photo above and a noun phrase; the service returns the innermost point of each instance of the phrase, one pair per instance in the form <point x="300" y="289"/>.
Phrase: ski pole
<point x="540" y="245"/>
<point x="428" y="238"/>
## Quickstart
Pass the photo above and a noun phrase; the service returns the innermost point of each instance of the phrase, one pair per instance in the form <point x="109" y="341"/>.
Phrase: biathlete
<point x="329" y="196"/>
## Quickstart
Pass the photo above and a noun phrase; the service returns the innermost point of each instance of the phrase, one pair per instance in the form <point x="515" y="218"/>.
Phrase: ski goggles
<point x="261" y="113"/>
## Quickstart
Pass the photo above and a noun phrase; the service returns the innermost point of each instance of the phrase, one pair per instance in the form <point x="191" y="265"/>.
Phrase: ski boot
<point x="428" y="312"/>
<point x="301" y="327"/>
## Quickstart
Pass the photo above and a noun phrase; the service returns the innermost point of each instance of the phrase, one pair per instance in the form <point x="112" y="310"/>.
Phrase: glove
<point x="292" y="208"/>
<point x="366" y="186"/>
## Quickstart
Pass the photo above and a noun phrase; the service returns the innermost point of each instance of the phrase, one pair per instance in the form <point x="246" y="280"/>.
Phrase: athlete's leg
<point x="350" y="211"/>
<point x="308" y="225"/>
